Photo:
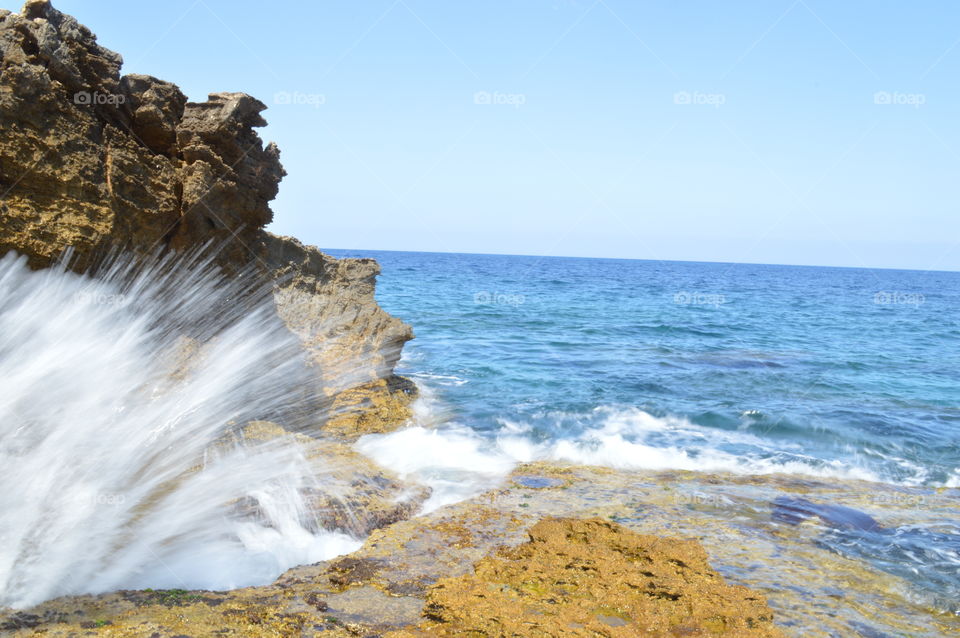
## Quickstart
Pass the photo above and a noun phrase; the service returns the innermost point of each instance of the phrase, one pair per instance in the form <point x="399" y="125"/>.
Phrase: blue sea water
<point x="647" y="364"/>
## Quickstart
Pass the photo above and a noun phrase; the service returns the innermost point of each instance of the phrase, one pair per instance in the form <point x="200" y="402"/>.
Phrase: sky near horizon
<point x="776" y="131"/>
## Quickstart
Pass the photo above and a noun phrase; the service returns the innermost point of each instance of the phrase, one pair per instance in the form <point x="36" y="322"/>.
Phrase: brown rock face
<point x="156" y="108"/>
<point x="595" y="578"/>
<point x="94" y="161"/>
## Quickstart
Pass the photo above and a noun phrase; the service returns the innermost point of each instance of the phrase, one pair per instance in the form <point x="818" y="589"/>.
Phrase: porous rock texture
<point x="593" y="577"/>
<point x="572" y="578"/>
<point x="98" y="162"/>
<point x="491" y="566"/>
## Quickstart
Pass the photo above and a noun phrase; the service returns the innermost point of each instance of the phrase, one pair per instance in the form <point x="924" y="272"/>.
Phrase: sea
<point x="748" y="398"/>
<point x="843" y="376"/>
<point x="746" y="368"/>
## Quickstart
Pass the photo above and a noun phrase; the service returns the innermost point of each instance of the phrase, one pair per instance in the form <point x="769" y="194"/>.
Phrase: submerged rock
<point x="573" y="577"/>
<point x="464" y="568"/>
<point x="797" y="510"/>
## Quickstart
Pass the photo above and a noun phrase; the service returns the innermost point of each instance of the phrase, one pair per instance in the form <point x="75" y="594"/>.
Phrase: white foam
<point x="439" y="379"/>
<point x="110" y="476"/>
<point x="458" y="462"/>
<point x="454" y="461"/>
<point x="953" y="481"/>
<point x="622" y="440"/>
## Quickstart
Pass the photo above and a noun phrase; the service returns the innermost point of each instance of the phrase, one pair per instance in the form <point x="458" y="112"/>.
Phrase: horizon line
<point x="677" y="261"/>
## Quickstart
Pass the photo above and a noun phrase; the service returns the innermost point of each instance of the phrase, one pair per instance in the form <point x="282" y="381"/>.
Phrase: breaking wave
<point x="122" y="459"/>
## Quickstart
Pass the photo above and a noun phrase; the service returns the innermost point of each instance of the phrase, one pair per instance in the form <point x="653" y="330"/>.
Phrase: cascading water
<point x="121" y="459"/>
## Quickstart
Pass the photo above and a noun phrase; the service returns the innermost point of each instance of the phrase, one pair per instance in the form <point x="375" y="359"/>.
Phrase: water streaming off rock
<point x="121" y="459"/>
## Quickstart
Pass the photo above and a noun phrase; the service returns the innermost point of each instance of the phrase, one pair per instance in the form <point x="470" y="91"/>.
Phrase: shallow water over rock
<point x="813" y="585"/>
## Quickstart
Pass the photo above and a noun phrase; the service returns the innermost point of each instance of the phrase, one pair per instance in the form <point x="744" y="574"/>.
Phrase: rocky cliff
<point x="96" y="161"/>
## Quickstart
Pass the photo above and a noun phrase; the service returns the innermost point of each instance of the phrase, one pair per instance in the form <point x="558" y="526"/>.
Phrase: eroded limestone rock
<point x="594" y="578"/>
<point x="96" y="161"/>
<point x="385" y="585"/>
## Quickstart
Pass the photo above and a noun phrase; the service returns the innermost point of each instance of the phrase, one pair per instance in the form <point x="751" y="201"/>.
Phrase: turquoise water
<point x="751" y="368"/>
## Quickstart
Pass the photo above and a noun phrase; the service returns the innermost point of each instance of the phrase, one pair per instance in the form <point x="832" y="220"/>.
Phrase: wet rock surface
<point x="445" y="571"/>
<point x="798" y="510"/>
<point x="350" y="493"/>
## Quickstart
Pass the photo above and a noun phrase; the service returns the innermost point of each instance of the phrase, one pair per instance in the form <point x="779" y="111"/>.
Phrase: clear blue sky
<point x="783" y="154"/>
